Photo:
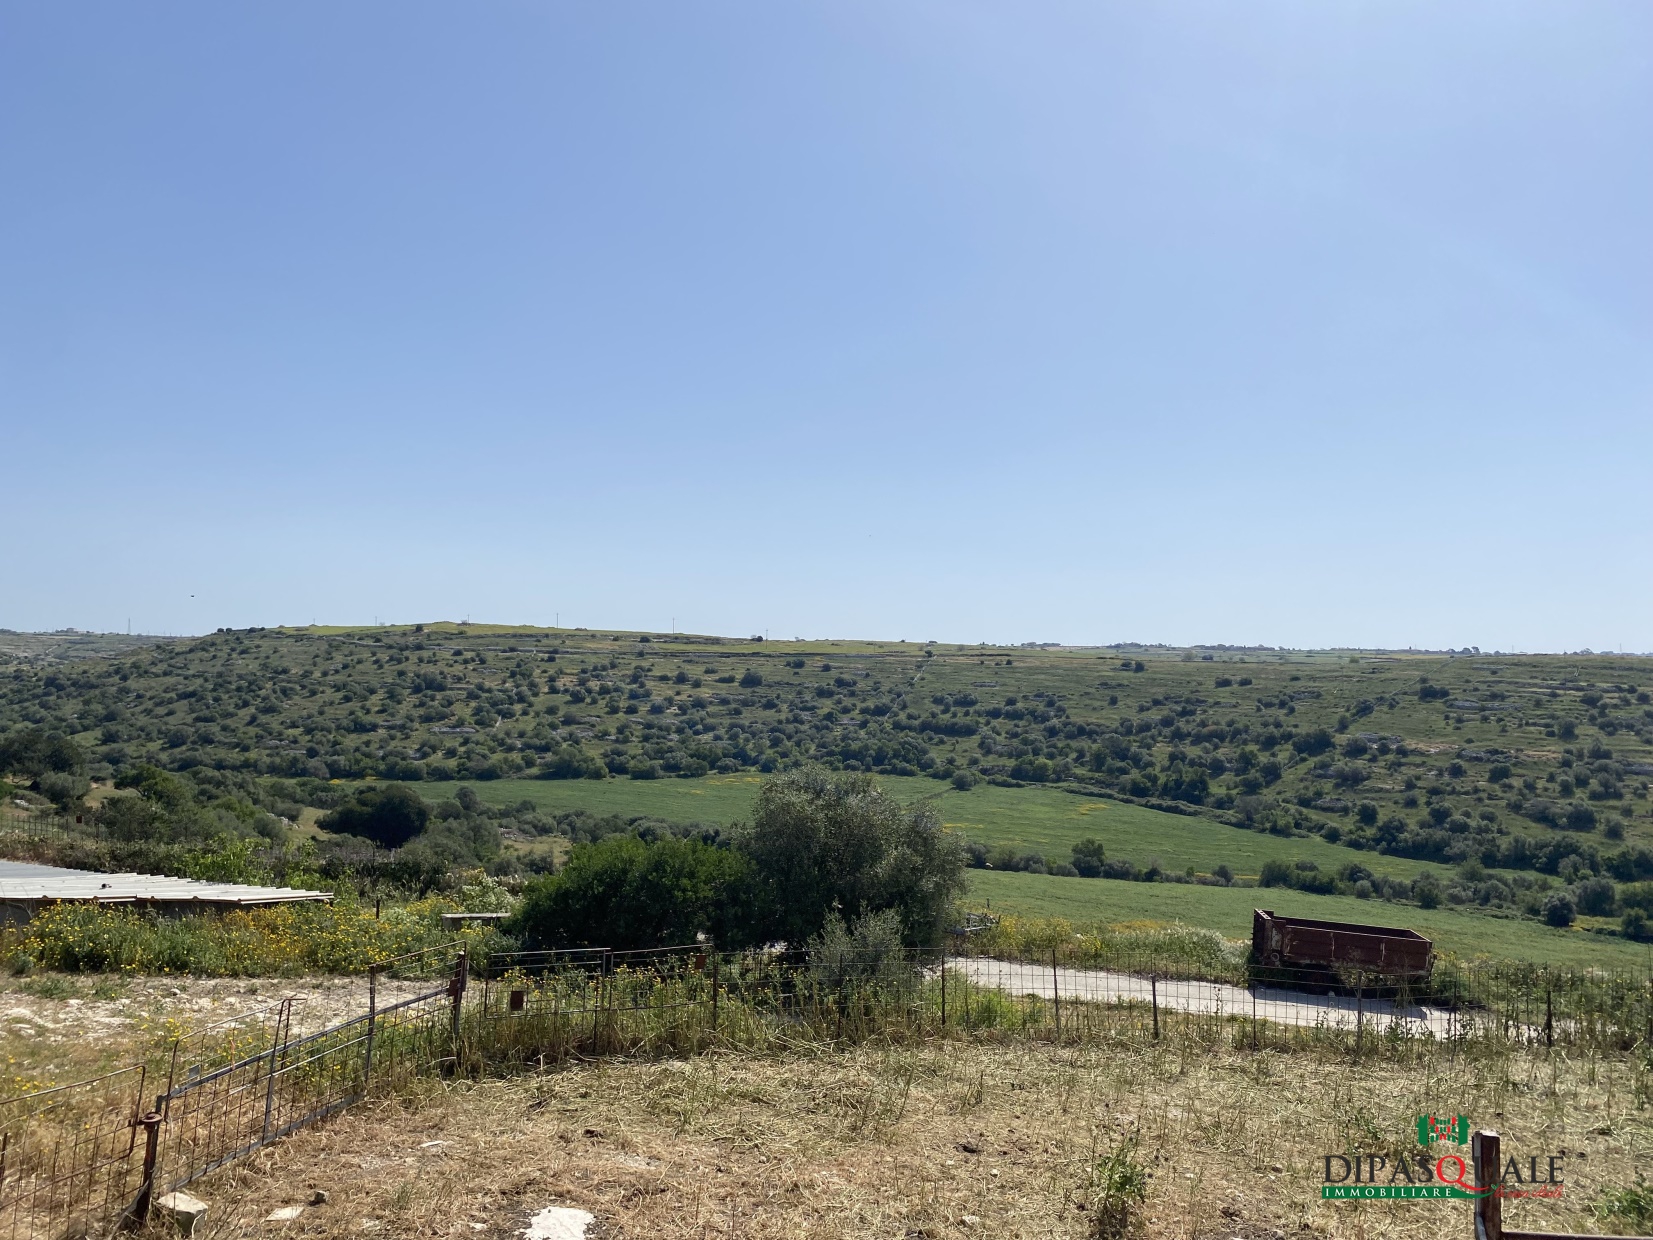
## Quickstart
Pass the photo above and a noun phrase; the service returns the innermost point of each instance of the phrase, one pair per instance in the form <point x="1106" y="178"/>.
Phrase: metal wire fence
<point x="88" y="1158"/>
<point x="67" y="1155"/>
<point x="541" y="1006"/>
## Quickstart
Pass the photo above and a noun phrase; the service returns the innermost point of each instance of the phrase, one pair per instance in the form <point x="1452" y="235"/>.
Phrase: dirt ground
<point x="940" y="1141"/>
<point x="56" y="1028"/>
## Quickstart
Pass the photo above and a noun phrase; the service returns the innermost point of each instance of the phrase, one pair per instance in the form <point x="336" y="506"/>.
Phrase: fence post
<point x="1153" y="987"/>
<point x="372" y="1024"/>
<point x="944" y="984"/>
<point x="613" y="985"/>
<point x="1056" y="993"/>
<point x="283" y="1015"/>
<point x="456" y="988"/>
<point x="1489" y="1219"/>
<point x="596" y="1005"/>
<point x="1458" y="1034"/>
<point x="1549" y="1019"/>
<point x="138" y="1213"/>
<point x="717" y="975"/>
<point x="1360" y="1016"/>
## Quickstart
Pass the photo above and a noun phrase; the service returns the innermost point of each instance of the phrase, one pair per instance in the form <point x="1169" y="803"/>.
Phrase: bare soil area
<point x="56" y="1028"/>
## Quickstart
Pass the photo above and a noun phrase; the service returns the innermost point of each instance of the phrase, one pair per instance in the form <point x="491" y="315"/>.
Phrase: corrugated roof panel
<point x="25" y="881"/>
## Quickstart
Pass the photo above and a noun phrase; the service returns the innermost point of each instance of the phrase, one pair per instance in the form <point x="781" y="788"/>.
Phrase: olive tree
<point x="824" y="844"/>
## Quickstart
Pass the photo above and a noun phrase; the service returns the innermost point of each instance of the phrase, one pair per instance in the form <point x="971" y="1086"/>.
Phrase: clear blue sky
<point x="1308" y="323"/>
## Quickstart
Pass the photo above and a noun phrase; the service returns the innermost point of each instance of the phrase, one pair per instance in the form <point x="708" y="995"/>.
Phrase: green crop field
<point x="1043" y="820"/>
<point x="1090" y="901"/>
<point x="719" y="799"/>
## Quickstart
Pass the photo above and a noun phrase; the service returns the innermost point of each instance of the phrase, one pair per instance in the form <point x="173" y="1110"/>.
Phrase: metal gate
<point x="91" y="1157"/>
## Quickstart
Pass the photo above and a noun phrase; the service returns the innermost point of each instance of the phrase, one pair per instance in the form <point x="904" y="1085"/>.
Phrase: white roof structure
<point x="23" y="882"/>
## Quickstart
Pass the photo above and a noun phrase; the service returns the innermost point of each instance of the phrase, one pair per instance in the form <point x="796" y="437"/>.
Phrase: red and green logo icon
<point x="1432" y="1128"/>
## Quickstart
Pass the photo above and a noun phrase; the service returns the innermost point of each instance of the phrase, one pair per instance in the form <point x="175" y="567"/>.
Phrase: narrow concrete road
<point x="1286" y="1007"/>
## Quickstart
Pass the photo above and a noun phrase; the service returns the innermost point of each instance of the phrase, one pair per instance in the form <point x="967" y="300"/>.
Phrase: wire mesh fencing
<point x="542" y="1006"/>
<point x="87" y="1158"/>
<point x="67" y="1155"/>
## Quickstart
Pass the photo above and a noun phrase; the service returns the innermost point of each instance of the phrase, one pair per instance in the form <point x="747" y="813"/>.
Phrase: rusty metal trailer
<point x="1298" y="951"/>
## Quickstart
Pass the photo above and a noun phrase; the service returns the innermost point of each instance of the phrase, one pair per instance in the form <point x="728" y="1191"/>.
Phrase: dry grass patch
<point x="942" y="1140"/>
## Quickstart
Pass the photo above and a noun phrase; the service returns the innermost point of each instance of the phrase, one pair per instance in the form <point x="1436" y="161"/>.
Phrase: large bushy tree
<point x="823" y="843"/>
<point x="33" y="752"/>
<point x="390" y="815"/>
<point x="822" y="849"/>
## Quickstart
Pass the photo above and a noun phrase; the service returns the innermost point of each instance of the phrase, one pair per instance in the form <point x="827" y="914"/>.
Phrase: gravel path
<point x="1286" y="1007"/>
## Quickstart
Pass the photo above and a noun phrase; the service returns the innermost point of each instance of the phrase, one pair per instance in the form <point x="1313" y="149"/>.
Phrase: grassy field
<point x="1043" y="820"/>
<point x="715" y="798"/>
<point x="1086" y="901"/>
<point x="942" y="1140"/>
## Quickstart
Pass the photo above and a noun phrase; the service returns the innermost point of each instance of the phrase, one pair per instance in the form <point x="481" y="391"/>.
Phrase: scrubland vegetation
<point x="282" y="941"/>
<point x="1515" y="785"/>
<point x="856" y="1090"/>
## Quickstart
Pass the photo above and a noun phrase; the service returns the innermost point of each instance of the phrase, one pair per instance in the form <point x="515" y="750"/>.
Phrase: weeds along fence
<point x="90" y="1157"/>
<point x="1481" y="999"/>
<point x="540" y="1007"/>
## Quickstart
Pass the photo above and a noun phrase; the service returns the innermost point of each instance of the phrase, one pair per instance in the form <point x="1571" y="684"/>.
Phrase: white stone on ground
<point x="185" y="1211"/>
<point x="559" y="1223"/>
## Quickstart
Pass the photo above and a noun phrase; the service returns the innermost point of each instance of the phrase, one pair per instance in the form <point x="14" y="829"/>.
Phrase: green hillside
<point x="1512" y="780"/>
<point x="1042" y="820"/>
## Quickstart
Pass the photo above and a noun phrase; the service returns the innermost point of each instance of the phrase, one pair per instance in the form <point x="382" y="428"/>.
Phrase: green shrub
<point x="64" y="789"/>
<point x="1596" y="897"/>
<point x="1088" y="856"/>
<point x="627" y="893"/>
<point x="1631" y="1206"/>
<point x="870" y="952"/>
<point x="1275" y="873"/>
<point x="33" y="752"/>
<point x="390" y="816"/>
<point x="1118" y="1184"/>
<point x="1559" y="910"/>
